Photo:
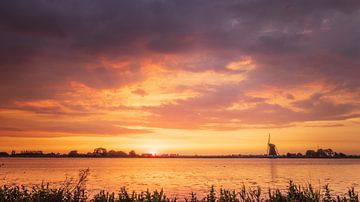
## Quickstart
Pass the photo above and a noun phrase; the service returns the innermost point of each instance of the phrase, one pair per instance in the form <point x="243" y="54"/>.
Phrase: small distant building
<point x="311" y="153"/>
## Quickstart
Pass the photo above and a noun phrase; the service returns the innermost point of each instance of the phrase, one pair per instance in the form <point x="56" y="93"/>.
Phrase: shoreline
<point x="181" y="157"/>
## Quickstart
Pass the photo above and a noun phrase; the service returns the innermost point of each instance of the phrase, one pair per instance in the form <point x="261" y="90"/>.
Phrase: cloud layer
<point x="135" y="65"/>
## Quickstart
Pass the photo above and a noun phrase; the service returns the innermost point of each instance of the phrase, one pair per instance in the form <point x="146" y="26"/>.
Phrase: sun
<point x="153" y="153"/>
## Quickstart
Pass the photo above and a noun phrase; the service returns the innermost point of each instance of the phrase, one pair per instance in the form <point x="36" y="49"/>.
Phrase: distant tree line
<point x="98" y="152"/>
<point x="103" y="153"/>
<point x="320" y="153"/>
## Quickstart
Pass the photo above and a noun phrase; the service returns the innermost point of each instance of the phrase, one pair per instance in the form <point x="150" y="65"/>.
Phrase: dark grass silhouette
<point x="75" y="191"/>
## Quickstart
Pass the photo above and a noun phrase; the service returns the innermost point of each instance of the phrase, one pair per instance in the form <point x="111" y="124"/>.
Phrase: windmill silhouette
<point x="271" y="149"/>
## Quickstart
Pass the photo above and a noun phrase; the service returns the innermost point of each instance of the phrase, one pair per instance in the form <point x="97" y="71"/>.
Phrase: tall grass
<point x="70" y="190"/>
<point x="75" y="191"/>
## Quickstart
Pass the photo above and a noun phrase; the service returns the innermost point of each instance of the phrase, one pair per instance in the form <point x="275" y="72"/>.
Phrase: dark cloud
<point x="317" y="107"/>
<point x="213" y="110"/>
<point x="30" y="128"/>
<point x="45" y="45"/>
<point x="140" y="92"/>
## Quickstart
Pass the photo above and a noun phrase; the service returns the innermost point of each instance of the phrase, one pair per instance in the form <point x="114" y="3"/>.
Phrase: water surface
<point x="181" y="176"/>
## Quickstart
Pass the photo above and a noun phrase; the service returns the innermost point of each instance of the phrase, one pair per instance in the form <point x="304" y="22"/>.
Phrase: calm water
<point x="181" y="176"/>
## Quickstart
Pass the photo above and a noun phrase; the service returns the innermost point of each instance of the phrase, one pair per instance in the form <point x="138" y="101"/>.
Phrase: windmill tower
<point x="271" y="149"/>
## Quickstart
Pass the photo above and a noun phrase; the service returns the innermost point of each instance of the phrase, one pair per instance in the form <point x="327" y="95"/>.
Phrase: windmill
<point x="271" y="149"/>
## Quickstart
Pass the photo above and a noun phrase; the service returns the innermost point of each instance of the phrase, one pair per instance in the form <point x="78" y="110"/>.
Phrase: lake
<point x="179" y="176"/>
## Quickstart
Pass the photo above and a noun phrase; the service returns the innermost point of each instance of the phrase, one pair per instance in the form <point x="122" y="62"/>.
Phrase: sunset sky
<point x="188" y="77"/>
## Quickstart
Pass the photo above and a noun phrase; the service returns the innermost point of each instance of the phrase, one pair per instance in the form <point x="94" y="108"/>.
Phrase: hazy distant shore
<point x="180" y="157"/>
<point x="104" y="153"/>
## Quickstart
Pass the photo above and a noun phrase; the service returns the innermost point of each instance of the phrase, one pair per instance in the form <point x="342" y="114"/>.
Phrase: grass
<point x="75" y="191"/>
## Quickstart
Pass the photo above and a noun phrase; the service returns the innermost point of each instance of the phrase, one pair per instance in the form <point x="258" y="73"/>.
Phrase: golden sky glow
<point x="214" y="82"/>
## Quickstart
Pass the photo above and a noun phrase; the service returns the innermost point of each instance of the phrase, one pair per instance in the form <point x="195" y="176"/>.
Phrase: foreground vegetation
<point x="75" y="191"/>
